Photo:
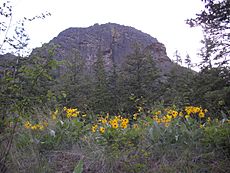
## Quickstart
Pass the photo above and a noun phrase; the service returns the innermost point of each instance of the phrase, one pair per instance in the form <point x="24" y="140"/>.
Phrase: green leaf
<point x="79" y="167"/>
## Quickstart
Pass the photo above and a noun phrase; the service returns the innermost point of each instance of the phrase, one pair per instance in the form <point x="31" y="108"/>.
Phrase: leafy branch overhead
<point x="13" y="36"/>
<point x="215" y="22"/>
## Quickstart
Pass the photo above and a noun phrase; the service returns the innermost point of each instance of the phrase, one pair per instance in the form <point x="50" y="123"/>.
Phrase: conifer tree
<point x="215" y="22"/>
<point x="179" y="86"/>
<point x="114" y="88"/>
<point x="177" y="56"/>
<point x="101" y="96"/>
<point x="188" y="61"/>
<point x="138" y="75"/>
<point x="212" y="89"/>
<point x="74" y="82"/>
<point x="212" y="83"/>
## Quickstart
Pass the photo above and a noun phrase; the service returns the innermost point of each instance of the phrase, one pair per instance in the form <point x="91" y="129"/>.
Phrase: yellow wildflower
<point x="125" y="120"/>
<point x="114" y="121"/>
<point x="54" y="114"/>
<point x="114" y="124"/>
<point x="201" y="114"/>
<point x="102" y="130"/>
<point x="117" y="118"/>
<point x="195" y="109"/>
<point x="103" y="121"/>
<point x="123" y="125"/>
<point x="71" y="112"/>
<point x="135" y="126"/>
<point x="40" y="127"/>
<point x="166" y="124"/>
<point x="34" y="127"/>
<point x="174" y="114"/>
<point x="158" y="113"/>
<point x="188" y="110"/>
<point x="158" y="120"/>
<point x="135" y="116"/>
<point x="168" y="117"/>
<point x="94" y="128"/>
<point x="27" y="124"/>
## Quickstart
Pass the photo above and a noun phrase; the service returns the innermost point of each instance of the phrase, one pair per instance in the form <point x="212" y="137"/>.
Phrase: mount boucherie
<point x="114" y="40"/>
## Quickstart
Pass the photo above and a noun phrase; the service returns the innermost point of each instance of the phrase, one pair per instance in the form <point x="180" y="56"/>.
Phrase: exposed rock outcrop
<point x="114" y="40"/>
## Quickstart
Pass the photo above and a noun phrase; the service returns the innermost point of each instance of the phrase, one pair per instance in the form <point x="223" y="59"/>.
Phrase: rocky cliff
<point x="114" y="40"/>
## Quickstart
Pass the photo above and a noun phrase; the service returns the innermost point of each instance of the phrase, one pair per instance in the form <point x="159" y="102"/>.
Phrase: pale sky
<point x="162" y="19"/>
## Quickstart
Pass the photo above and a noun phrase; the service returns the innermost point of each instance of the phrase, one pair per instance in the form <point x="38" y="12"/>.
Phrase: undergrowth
<point x="150" y="140"/>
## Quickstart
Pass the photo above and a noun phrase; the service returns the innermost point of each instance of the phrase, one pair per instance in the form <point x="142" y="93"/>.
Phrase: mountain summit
<point x="114" y="40"/>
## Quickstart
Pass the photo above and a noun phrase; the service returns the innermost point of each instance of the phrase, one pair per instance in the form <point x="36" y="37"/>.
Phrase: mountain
<point x="114" y="40"/>
<point x="114" y="65"/>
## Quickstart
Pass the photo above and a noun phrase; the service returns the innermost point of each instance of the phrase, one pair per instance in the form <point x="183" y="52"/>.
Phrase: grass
<point x="166" y="140"/>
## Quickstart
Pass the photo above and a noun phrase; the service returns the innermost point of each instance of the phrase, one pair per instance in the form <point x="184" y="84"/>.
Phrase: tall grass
<point x="150" y="140"/>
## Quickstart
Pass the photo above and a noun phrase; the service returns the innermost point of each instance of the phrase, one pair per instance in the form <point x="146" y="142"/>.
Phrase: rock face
<point x="115" y="41"/>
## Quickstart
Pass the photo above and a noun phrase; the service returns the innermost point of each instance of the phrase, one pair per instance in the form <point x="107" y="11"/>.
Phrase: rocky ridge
<point x="114" y="40"/>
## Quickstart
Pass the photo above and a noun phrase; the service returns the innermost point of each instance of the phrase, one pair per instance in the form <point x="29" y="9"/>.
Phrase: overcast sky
<point x="162" y="19"/>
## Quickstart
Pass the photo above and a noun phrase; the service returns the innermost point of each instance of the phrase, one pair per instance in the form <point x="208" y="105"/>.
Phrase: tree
<point x="11" y="84"/>
<point x="215" y="22"/>
<point x="114" y="88"/>
<point x="211" y="85"/>
<point x="101" y="98"/>
<point x="212" y="90"/>
<point x="23" y="86"/>
<point x="188" y="61"/>
<point x="139" y="76"/>
<point x="73" y="83"/>
<point x="206" y="54"/>
<point x="114" y="78"/>
<point x="177" y="56"/>
<point x="179" y="86"/>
